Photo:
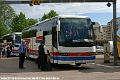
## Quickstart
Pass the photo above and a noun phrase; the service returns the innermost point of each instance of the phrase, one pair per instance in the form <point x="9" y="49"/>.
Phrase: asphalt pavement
<point x="101" y="60"/>
<point x="96" y="71"/>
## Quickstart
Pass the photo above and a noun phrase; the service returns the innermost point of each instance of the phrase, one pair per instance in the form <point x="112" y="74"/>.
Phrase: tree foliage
<point x="19" y="22"/>
<point x="31" y="21"/>
<point x="51" y="14"/>
<point x="3" y="29"/>
<point x="6" y="14"/>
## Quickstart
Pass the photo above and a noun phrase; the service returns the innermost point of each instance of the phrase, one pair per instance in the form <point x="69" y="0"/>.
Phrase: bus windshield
<point x="18" y="38"/>
<point x="75" y="30"/>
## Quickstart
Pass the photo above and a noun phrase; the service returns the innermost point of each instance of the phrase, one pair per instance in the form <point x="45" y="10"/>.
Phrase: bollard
<point x="106" y="57"/>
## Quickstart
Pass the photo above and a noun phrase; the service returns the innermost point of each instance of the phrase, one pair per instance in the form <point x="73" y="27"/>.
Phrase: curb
<point x="113" y="67"/>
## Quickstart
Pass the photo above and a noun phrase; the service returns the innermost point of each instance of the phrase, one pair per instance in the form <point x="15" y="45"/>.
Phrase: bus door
<point x="54" y="43"/>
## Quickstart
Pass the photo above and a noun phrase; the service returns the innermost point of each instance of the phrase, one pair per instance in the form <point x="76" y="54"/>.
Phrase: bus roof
<point x="72" y="16"/>
<point x="6" y="35"/>
<point x="10" y="34"/>
<point x="17" y="33"/>
<point x="60" y="16"/>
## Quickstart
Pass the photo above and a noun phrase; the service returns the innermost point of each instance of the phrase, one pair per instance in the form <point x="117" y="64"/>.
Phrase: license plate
<point x="78" y="61"/>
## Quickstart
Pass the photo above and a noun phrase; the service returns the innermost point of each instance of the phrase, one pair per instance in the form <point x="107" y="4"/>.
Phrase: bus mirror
<point x="93" y="23"/>
<point x="58" y="26"/>
<point x="96" y="24"/>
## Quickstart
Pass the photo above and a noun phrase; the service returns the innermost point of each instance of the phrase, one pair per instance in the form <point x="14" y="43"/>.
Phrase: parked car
<point x="99" y="49"/>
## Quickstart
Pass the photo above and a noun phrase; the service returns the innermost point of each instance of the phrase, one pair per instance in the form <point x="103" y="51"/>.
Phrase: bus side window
<point x="44" y="33"/>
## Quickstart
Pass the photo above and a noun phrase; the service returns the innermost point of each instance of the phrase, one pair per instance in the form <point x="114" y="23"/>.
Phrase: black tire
<point x="78" y="64"/>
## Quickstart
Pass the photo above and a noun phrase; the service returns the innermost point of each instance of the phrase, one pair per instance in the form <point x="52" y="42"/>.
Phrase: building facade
<point x="100" y="37"/>
<point x="107" y="34"/>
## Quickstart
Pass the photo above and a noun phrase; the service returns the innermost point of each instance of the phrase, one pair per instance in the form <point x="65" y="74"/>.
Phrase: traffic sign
<point x="36" y="2"/>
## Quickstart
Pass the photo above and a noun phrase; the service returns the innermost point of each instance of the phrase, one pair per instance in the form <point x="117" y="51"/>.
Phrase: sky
<point x="98" y="12"/>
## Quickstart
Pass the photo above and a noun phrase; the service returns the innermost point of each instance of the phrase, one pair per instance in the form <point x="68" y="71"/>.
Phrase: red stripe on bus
<point x="81" y="54"/>
<point x="54" y="53"/>
<point x="35" y="51"/>
<point x="39" y="37"/>
<point x="71" y="53"/>
<point x="27" y="39"/>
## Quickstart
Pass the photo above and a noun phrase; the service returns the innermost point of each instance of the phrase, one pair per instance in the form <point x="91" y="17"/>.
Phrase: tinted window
<point x="75" y="30"/>
<point x="18" y="38"/>
<point x="16" y="45"/>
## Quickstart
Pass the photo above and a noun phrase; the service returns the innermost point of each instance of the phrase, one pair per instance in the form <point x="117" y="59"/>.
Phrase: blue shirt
<point x="22" y="48"/>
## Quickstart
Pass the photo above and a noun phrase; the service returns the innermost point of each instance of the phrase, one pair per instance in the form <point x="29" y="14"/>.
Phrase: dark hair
<point x="41" y="41"/>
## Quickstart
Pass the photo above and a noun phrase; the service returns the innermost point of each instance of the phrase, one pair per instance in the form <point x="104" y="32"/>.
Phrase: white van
<point x="99" y="49"/>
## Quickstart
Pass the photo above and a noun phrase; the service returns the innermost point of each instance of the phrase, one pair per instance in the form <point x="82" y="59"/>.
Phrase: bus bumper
<point x="14" y="53"/>
<point x="73" y="60"/>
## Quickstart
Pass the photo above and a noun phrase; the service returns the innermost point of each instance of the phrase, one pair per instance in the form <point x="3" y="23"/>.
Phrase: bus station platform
<point x="100" y="61"/>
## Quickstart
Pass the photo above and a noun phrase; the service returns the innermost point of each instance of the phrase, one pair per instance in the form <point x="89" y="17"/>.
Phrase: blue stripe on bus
<point x="15" y="53"/>
<point x="72" y="58"/>
<point x="31" y="53"/>
<point x="37" y="41"/>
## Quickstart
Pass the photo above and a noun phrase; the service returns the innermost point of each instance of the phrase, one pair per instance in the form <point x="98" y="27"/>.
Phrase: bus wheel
<point x="54" y="64"/>
<point x="78" y="64"/>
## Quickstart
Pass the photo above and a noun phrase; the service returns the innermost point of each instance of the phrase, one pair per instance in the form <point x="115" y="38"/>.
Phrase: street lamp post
<point x="114" y="33"/>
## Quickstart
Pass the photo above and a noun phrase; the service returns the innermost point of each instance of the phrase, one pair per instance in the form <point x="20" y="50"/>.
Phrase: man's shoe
<point x="20" y="68"/>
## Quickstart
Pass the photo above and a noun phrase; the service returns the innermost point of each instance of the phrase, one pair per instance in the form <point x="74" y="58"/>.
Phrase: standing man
<point x="42" y="55"/>
<point x="8" y="51"/>
<point x="22" y="50"/>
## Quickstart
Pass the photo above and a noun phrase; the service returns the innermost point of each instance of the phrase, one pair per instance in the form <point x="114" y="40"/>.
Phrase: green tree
<point x="6" y="13"/>
<point x="31" y="21"/>
<point x="3" y="29"/>
<point x="51" y="14"/>
<point x="19" y="22"/>
<point x="45" y="16"/>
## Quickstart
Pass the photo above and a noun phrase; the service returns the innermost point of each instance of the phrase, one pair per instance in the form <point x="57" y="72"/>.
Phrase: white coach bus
<point x="15" y="39"/>
<point x="69" y="39"/>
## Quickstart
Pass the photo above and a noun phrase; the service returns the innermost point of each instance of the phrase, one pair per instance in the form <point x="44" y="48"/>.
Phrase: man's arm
<point x="45" y="49"/>
<point x="19" y="48"/>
